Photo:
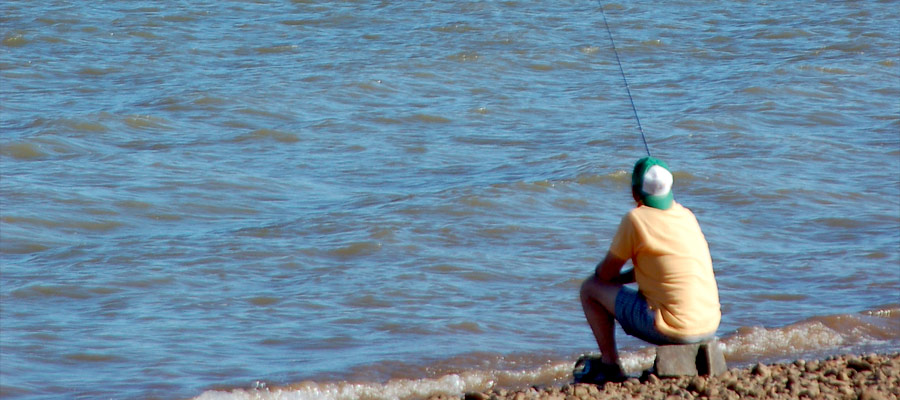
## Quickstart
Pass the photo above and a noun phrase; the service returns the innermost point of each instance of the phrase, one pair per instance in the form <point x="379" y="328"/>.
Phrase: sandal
<point x="590" y="369"/>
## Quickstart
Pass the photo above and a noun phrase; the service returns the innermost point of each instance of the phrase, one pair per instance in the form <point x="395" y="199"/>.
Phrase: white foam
<point x="817" y="334"/>
<point x="451" y="384"/>
<point x="783" y="341"/>
<point x="749" y="343"/>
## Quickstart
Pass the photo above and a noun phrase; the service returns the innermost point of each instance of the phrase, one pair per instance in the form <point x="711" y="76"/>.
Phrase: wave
<point x="876" y="330"/>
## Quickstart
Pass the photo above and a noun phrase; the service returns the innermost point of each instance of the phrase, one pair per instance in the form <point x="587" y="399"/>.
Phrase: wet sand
<point x="870" y="377"/>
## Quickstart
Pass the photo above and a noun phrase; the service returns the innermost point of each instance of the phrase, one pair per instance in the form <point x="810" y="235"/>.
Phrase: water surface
<point x="351" y="199"/>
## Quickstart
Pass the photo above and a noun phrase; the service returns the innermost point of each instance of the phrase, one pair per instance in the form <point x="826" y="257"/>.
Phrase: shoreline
<point x="869" y="377"/>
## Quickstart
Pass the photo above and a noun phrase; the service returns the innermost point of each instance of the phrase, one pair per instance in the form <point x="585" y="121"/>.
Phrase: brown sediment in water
<point x="872" y="377"/>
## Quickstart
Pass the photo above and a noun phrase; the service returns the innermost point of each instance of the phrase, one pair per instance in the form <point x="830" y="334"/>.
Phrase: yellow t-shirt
<point x="672" y="267"/>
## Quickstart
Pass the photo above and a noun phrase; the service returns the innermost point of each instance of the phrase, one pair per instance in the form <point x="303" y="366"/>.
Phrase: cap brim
<point x="661" y="202"/>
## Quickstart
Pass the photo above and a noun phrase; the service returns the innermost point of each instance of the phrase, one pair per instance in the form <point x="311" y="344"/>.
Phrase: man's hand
<point x="624" y="278"/>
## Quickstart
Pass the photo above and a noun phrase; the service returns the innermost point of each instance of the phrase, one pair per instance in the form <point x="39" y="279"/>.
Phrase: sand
<point x="871" y="377"/>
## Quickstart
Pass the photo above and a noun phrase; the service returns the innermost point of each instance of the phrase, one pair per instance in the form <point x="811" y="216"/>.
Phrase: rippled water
<point x="346" y="199"/>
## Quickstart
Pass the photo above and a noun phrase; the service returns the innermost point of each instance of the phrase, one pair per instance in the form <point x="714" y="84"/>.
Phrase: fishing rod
<point x="627" y="89"/>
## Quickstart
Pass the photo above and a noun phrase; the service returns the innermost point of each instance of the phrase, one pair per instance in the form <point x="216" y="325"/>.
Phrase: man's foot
<point x="590" y="369"/>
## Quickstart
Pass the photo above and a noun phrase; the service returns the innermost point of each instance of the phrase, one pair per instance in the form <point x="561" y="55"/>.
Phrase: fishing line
<point x="627" y="89"/>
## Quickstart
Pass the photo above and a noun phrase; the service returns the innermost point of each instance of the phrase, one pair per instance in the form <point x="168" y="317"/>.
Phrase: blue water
<point x="197" y="197"/>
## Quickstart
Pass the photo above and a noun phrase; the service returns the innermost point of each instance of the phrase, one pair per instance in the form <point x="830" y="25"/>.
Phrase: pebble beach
<point x="871" y="377"/>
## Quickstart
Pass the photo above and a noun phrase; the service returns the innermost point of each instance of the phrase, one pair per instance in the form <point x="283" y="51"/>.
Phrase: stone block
<point x="704" y="358"/>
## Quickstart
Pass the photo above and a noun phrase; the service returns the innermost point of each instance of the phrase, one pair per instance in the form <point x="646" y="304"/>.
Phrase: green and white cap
<point x="653" y="181"/>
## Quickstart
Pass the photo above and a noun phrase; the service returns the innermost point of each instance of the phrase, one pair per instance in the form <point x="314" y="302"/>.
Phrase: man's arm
<point x="609" y="270"/>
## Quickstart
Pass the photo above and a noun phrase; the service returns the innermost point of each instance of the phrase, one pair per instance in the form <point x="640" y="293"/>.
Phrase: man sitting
<point x="677" y="300"/>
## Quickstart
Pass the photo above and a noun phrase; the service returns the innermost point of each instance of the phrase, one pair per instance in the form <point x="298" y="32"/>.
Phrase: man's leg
<point x="598" y="299"/>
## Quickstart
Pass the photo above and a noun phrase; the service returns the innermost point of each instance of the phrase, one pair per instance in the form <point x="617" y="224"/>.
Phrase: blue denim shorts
<point x="638" y="320"/>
